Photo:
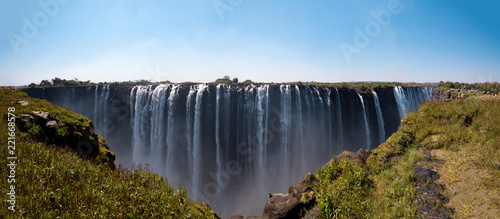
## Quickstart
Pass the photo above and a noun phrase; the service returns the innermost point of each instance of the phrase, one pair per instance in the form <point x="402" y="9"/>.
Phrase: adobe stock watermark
<point x="372" y="29"/>
<point x="29" y="30"/>
<point x="488" y="79"/>
<point x="154" y="75"/>
<point x="224" y="6"/>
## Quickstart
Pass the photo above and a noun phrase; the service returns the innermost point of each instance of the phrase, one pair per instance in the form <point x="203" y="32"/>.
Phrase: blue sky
<point x="261" y="40"/>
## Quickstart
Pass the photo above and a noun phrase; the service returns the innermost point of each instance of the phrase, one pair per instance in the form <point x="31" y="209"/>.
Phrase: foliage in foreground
<point x="384" y="187"/>
<point x="52" y="182"/>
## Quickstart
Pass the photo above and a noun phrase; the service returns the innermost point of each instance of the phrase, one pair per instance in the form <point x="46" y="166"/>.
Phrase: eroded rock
<point x="23" y="103"/>
<point x="359" y="157"/>
<point x="423" y="174"/>
<point x="291" y="204"/>
<point x="41" y="116"/>
<point x="52" y="125"/>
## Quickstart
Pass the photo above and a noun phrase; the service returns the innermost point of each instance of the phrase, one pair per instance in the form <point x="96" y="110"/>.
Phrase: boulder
<point x="41" y="116"/>
<point x="52" y="125"/>
<point x="23" y="103"/>
<point x="309" y="179"/>
<point x="276" y="194"/>
<point x="351" y="156"/>
<point x="364" y="153"/>
<point x="291" y="204"/>
<point x="359" y="157"/>
<point x="26" y="121"/>
<point x="282" y="206"/>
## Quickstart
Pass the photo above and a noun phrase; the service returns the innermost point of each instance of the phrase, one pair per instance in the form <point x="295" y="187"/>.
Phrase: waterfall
<point x="367" y="128"/>
<point x="262" y="104"/>
<point x="96" y="106"/>
<point x="339" y="117"/>
<point x="380" y="119"/>
<point x="157" y="131"/>
<point x="400" y="97"/>
<point x="300" y="131"/>
<point x="218" y="148"/>
<point x="227" y="118"/>
<point x="189" y="131"/>
<point x="171" y="129"/>
<point x="286" y="105"/>
<point x="239" y="139"/>
<point x="197" y="138"/>
<point x="139" y="123"/>
<point x="330" y="131"/>
<point x="409" y="99"/>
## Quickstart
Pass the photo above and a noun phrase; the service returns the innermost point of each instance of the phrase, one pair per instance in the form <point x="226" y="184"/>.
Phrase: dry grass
<point x="466" y="211"/>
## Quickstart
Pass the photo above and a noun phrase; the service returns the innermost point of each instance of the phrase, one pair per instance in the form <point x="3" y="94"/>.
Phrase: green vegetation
<point x="490" y="87"/>
<point x="467" y="135"/>
<point x="57" y="82"/>
<point x="61" y="82"/>
<point x="342" y="189"/>
<point x="73" y="127"/>
<point x="226" y="80"/>
<point x="52" y="182"/>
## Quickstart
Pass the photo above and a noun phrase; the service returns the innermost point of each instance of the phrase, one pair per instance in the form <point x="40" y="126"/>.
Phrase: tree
<point x="57" y="81"/>
<point x="235" y="80"/>
<point x="45" y="83"/>
<point x="247" y="81"/>
<point x="32" y="85"/>
<point x="226" y="80"/>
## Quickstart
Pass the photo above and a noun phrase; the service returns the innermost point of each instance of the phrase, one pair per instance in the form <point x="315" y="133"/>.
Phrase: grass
<point x="52" y="182"/>
<point x="338" y="181"/>
<point x="467" y="135"/>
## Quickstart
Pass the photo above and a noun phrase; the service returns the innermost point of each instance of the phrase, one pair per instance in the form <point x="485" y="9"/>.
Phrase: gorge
<point x="231" y="145"/>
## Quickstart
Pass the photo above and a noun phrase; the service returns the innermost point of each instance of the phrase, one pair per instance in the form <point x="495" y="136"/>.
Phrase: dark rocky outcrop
<point x="429" y="199"/>
<point x="447" y="94"/>
<point x="425" y="174"/>
<point x="79" y="136"/>
<point x="359" y="157"/>
<point x="293" y="204"/>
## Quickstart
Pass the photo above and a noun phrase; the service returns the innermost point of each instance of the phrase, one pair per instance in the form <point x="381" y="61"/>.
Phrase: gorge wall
<point x="231" y="145"/>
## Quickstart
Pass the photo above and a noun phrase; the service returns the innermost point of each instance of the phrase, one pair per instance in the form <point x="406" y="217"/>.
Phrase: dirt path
<point x="430" y="201"/>
<point x="469" y="188"/>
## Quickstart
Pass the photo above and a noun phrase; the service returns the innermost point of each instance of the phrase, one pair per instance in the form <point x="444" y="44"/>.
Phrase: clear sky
<point x="261" y="40"/>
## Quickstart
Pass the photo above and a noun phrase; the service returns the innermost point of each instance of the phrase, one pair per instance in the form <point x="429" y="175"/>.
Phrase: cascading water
<point x="367" y="128"/>
<point x="409" y="99"/>
<point x="380" y="119"/>
<point x="231" y="145"/>
<point x="339" y="117"/>
<point x="197" y="139"/>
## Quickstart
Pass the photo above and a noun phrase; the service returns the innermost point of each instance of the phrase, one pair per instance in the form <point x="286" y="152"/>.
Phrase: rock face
<point x="79" y="136"/>
<point x="359" y="157"/>
<point x="446" y="94"/>
<point x="289" y="205"/>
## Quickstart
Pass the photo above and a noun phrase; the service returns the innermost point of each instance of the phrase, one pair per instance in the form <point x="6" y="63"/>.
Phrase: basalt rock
<point x="300" y="197"/>
<point x="359" y="157"/>
<point x="291" y="204"/>
<point x="423" y="174"/>
<point x="79" y="137"/>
